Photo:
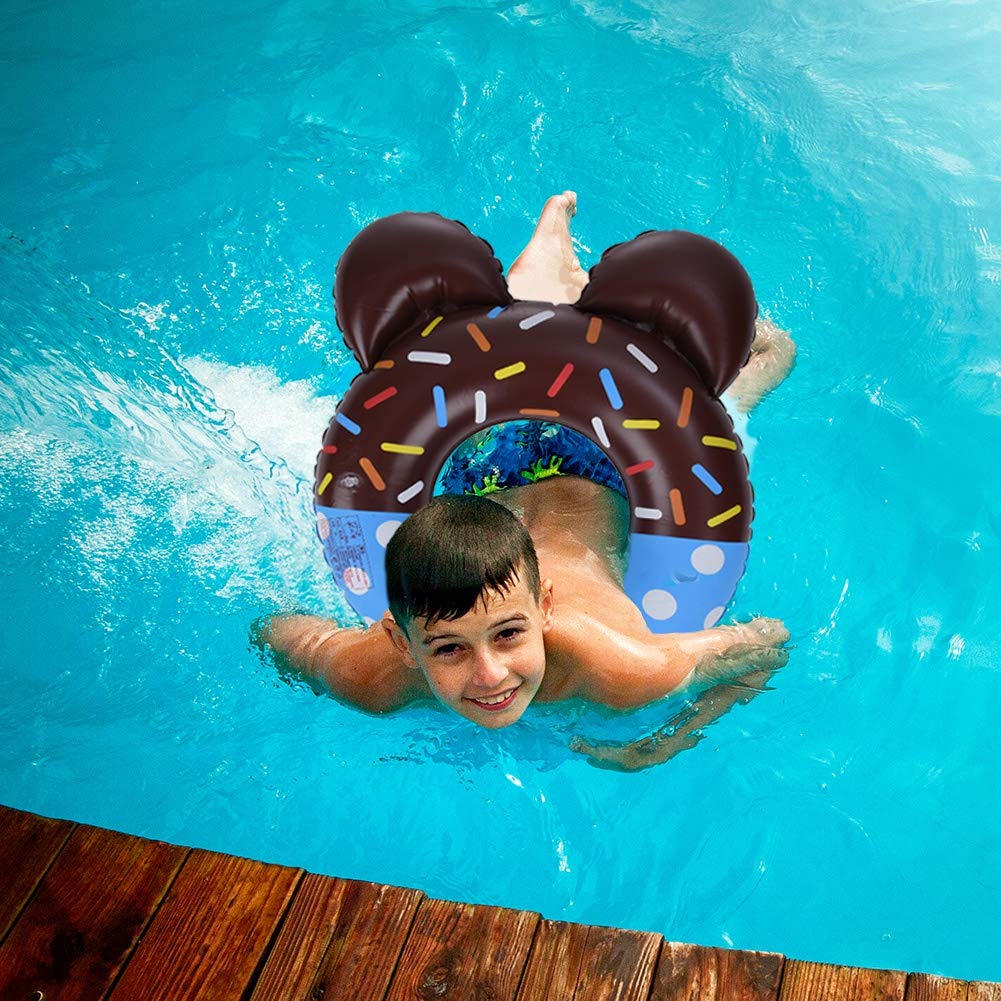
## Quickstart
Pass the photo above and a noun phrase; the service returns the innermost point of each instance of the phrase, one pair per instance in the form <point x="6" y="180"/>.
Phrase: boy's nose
<point x="488" y="671"/>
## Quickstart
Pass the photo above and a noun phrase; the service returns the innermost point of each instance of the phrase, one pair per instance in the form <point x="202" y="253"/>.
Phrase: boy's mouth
<point x="496" y="702"/>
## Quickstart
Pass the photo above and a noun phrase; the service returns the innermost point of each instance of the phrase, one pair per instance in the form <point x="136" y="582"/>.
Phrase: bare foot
<point x="772" y="355"/>
<point x="547" y="270"/>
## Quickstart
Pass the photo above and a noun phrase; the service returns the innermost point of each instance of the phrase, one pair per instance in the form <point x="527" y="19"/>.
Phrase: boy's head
<point x="468" y="608"/>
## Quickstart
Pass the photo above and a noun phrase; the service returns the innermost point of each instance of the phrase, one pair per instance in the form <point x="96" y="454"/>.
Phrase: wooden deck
<point x="90" y="914"/>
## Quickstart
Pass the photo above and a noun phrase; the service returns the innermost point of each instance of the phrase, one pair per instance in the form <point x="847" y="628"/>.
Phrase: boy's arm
<point x="625" y="670"/>
<point x="684" y="730"/>
<point x="360" y="666"/>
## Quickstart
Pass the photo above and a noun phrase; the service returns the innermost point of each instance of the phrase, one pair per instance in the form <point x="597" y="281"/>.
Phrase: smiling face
<point x="488" y="664"/>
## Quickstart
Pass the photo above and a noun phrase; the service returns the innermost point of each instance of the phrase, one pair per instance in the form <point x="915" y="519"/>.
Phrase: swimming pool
<point x="184" y="181"/>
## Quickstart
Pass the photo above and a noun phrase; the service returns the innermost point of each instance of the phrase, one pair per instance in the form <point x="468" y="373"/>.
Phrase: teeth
<point x="496" y="699"/>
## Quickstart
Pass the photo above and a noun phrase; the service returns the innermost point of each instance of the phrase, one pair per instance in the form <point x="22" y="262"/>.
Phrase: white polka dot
<point x="659" y="604"/>
<point x="356" y="580"/>
<point x="713" y="617"/>
<point x="322" y="526"/>
<point x="708" y="559"/>
<point x="385" y="532"/>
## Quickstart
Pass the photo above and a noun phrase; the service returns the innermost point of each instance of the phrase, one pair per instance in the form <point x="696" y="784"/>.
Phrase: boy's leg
<point x="547" y="269"/>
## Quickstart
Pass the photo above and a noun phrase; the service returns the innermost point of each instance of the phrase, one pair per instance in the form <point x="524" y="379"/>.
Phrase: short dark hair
<point x="448" y="555"/>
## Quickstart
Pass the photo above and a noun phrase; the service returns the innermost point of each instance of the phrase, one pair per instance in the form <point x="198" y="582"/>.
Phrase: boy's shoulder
<point x="359" y="666"/>
<point x="611" y="660"/>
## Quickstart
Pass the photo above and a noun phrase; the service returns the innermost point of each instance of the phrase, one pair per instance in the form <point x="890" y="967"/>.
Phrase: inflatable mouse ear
<point x="687" y="290"/>
<point x="405" y="269"/>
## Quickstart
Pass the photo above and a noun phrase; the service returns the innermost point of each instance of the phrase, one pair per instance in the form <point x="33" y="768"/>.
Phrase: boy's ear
<point x="398" y="638"/>
<point x="547" y="603"/>
<point x="402" y="271"/>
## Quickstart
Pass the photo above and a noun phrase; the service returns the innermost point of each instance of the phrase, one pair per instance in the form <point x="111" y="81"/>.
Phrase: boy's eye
<point x="510" y="632"/>
<point x="446" y="649"/>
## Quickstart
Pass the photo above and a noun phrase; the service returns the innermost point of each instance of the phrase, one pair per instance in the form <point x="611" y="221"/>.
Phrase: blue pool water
<point x="179" y="179"/>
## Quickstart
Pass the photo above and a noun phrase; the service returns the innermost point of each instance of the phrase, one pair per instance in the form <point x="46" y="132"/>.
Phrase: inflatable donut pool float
<point x="636" y="365"/>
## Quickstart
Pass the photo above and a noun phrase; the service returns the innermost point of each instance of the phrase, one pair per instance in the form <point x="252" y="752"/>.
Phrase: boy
<point x="480" y="624"/>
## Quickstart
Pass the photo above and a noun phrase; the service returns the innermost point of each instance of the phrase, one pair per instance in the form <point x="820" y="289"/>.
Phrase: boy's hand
<point x="747" y="646"/>
<point x="762" y="631"/>
<point x="653" y="750"/>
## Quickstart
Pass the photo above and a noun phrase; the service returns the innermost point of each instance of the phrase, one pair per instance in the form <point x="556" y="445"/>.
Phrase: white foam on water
<point x="286" y="419"/>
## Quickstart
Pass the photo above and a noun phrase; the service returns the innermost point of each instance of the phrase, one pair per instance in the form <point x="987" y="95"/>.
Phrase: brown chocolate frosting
<point x="637" y="364"/>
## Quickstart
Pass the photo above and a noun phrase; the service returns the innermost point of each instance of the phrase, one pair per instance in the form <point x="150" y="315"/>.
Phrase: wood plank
<point x="704" y="973"/>
<point x="462" y="951"/>
<point x="86" y="915"/>
<point x="340" y="939"/>
<point x="75" y="900"/>
<point x="982" y="990"/>
<point x="925" y="987"/>
<point x="618" y="964"/>
<point x="210" y="932"/>
<point x="584" y="963"/>
<point x="28" y="844"/>
<point x="803" y="981"/>
<point x="556" y="961"/>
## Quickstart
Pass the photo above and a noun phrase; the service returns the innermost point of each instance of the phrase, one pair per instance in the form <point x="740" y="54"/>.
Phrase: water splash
<point x="106" y="432"/>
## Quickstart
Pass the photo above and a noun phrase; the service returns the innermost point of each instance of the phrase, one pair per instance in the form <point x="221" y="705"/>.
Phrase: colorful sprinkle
<point x="599" y="426"/>
<point x="707" y="478"/>
<point x="644" y="359"/>
<point x="398" y="449"/>
<point x="410" y="493"/>
<point x="611" y="390"/>
<point x="325" y="482"/>
<point x="686" y="407"/>
<point x="677" y="507"/>
<point x="388" y="363"/>
<point x="372" y="473"/>
<point x="430" y="357"/>
<point x="641" y="425"/>
<point x="478" y="336"/>
<point x="648" y="513"/>
<point x="536" y="318"/>
<point x="640" y="467"/>
<point x="374" y="401"/>
<point x="440" y="411"/>
<point x="560" y="381"/>
<point x="505" y="373"/>
<point x="725" y="516"/>
<point x="434" y="323"/>
<point x="593" y="330"/>
<point x="528" y="412"/>
<point x="714" y="442"/>
<point x="496" y="311"/>
<point x="330" y="449"/>
<point x="480" y="399"/>
<point x="348" y="424"/>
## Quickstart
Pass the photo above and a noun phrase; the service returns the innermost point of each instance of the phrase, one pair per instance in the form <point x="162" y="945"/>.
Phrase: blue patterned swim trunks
<point x="516" y="453"/>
